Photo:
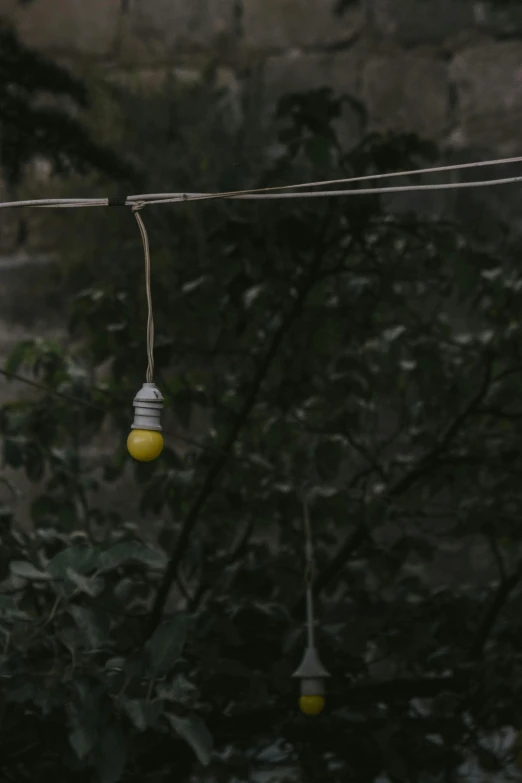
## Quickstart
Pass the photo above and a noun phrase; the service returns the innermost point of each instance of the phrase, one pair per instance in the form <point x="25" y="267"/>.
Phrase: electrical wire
<point x="161" y="197"/>
<point x="56" y="202"/>
<point x="331" y="193"/>
<point x="309" y="575"/>
<point x="150" y="317"/>
<point x="288" y="191"/>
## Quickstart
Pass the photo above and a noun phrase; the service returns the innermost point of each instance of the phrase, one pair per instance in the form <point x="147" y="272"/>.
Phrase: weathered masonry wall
<point x="448" y="69"/>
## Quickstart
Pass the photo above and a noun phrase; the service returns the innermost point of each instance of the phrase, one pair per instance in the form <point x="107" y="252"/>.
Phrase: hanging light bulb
<point x="311" y="672"/>
<point x="145" y="441"/>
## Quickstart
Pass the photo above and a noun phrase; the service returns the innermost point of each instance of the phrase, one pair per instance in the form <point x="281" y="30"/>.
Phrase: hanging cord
<point x="309" y="575"/>
<point x="150" y="319"/>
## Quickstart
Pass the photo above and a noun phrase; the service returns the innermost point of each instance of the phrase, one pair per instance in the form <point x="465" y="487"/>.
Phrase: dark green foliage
<point x="372" y="360"/>
<point x="34" y="122"/>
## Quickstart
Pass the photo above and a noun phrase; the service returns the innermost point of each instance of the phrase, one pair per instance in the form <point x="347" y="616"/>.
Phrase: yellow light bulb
<point x="145" y="445"/>
<point x="311" y="705"/>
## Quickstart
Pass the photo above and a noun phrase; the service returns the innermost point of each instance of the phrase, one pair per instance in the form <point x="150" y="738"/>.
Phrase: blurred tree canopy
<point x="371" y="360"/>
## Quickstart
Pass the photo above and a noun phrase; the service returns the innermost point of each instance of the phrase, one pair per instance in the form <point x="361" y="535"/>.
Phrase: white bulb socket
<point x="148" y="404"/>
<point x="312" y="673"/>
<point x="311" y="667"/>
<point x="312" y="687"/>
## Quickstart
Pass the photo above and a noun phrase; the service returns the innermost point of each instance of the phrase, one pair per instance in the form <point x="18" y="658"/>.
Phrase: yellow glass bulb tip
<point x="311" y="705"/>
<point x="145" y="445"/>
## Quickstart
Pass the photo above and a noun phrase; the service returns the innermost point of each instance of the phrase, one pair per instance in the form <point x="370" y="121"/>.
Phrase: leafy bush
<point x="370" y="359"/>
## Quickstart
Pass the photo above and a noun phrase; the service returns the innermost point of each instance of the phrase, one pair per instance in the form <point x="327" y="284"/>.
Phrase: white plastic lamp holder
<point x="312" y="673"/>
<point x="148" y="404"/>
<point x="145" y="442"/>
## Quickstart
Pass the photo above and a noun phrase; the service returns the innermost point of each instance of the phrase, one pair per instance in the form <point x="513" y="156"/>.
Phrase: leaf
<point x="71" y="639"/>
<point x="81" y="741"/>
<point x="290" y="640"/>
<point x="351" y="716"/>
<point x="20" y="353"/>
<point x="91" y="587"/>
<point x="34" y="463"/>
<point x="489" y="761"/>
<point x="192" y="285"/>
<point x="135" y="667"/>
<point x="13" y="455"/>
<point x="85" y="714"/>
<point x="110" y="755"/>
<point x="318" y="150"/>
<point x="113" y="470"/>
<point x="67" y="516"/>
<point x="393" y="761"/>
<point x="180" y="690"/>
<point x="10" y="486"/>
<point x="143" y="714"/>
<point x="250" y="296"/>
<point x="124" y="589"/>
<point x="115" y="664"/>
<point x="43" y="509"/>
<point x="164" y="648"/>
<point x="9" y="609"/>
<point x="22" y="693"/>
<point x="328" y="456"/>
<point x="196" y="734"/>
<point x="393" y="333"/>
<point x="26" y="570"/>
<point x="95" y="626"/>
<point x="131" y="552"/>
<point x="80" y="559"/>
<point x="7" y="604"/>
<point x="135" y="709"/>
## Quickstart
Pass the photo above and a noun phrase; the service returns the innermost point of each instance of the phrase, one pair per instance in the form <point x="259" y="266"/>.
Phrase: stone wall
<point x="448" y="69"/>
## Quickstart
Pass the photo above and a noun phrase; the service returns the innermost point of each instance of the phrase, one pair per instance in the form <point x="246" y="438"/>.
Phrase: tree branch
<point x="497" y="557"/>
<point x="222" y="459"/>
<point x="404" y="688"/>
<point x="239" y="547"/>
<point x="350" y="546"/>
<point x="504" y="591"/>
<point x="427" y="463"/>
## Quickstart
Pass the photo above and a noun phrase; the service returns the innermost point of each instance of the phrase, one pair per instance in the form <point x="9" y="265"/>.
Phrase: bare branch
<point x="221" y="460"/>
<point x="499" y="600"/>
<point x="424" y="466"/>
<point x="497" y="557"/>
